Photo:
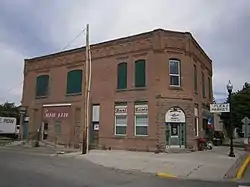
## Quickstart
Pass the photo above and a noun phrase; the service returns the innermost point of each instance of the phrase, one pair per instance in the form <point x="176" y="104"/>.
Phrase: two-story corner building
<point x="149" y="92"/>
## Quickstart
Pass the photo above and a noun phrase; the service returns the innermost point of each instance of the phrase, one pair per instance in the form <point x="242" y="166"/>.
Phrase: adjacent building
<point x="149" y="92"/>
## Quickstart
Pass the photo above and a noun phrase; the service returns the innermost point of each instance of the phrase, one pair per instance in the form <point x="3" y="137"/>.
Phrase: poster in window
<point x="174" y="130"/>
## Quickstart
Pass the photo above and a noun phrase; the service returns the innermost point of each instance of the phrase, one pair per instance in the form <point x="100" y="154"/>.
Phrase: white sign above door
<point x="175" y="115"/>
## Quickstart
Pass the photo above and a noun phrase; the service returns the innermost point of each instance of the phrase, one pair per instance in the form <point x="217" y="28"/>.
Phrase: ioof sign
<point x="218" y="108"/>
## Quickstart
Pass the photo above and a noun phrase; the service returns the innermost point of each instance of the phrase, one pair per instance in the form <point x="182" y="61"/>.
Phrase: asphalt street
<point x="40" y="167"/>
<point x="246" y="176"/>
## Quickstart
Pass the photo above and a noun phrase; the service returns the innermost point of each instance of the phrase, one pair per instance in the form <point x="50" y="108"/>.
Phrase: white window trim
<point x="121" y="125"/>
<point x="140" y="125"/>
<point x="196" y="114"/>
<point x="197" y="126"/>
<point x="176" y="75"/>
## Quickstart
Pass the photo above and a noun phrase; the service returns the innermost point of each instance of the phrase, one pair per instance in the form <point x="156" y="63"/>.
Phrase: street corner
<point x="165" y="175"/>
<point x="236" y="172"/>
<point x="67" y="153"/>
<point x="242" y="168"/>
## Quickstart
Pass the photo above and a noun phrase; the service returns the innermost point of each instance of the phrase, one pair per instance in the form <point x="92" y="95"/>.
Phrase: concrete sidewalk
<point x="42" y="146"/>
<point x="207" y="165"/>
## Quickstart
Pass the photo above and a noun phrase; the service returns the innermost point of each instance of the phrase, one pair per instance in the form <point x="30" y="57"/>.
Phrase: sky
<point x="34" y="28"/>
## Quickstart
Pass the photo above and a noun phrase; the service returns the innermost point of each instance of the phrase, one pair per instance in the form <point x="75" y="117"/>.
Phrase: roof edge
<point x="110" y="42"/>
<point x="198" y="45"/>
<point x="104" y="43"/>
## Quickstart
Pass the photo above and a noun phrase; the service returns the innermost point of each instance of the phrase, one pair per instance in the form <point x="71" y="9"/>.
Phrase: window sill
<point x="133" y="89"/>
<point x="119" y="136"/>
<point x="41" y="97"/>
<point x="73" y="94"/>
<point x="141" y="136"/>
<point x="175" y="88"/>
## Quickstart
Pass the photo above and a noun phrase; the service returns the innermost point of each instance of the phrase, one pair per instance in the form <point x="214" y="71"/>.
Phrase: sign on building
<point x="121" y="110"/>
<point x="56" y="113"/>
<point x="95" y="112"/>
<point x="96" y="126"/>
<point x="175" y="115"/>
<point x="218" y="108"/>
<point x="141" y="109"/>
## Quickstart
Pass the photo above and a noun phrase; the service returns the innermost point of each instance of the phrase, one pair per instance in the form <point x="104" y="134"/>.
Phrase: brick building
<point x="149" y="91"/>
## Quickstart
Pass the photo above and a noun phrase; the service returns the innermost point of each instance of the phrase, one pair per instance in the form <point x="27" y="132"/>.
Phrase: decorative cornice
<point x="170" y="42"/>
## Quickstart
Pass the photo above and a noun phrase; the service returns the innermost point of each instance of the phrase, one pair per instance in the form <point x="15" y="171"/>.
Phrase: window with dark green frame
<point x="209" y="87"/>
<point x="74" y="82"/>
<point x="122" y="75"/>
<point x="42" y="85"/>
<point x="203" y="85"/>
<point x="195" y="79"/>
<point x="140" y="73"/>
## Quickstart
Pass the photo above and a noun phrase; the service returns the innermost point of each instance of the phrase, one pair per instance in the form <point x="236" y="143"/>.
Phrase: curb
<point x="165" y="175"/>
<point x="242" y="168"/>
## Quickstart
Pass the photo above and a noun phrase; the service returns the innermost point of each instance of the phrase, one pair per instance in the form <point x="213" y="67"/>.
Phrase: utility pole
<point x="85" y="120"/>
<point x="88" y="88"/>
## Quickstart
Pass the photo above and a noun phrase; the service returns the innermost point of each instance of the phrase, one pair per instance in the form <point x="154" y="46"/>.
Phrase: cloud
<point x="33" y="28"/>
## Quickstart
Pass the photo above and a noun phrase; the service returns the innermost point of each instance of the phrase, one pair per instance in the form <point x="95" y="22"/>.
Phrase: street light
<point x="230" y="89"/>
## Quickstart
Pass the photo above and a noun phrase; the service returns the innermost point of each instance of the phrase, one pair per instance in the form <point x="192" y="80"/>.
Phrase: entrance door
<point x="94" y="134"/>
<point x="25" y="131"/>
<point x="176" y="135"/>
<point x="175" y="120"/>
<point x="45" y="127"/>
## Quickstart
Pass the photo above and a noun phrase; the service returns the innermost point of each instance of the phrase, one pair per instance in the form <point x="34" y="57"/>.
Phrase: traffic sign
<point x="245" y="120"/>
<point x="218" y="108"/>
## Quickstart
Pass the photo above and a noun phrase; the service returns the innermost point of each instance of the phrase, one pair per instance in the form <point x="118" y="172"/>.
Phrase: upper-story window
<point x="174" y="72"/>
<point x="122" y="75"/>
<point x="74" y="82"/>
<point x="195" y="79"/>
<point x="140" y="73"/>
<point x="209" y="87"/>
<point x="203" y="85"/>
<point x="42" y="85"/>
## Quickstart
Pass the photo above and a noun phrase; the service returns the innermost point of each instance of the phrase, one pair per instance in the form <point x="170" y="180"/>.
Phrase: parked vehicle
<point x="218" y="138"/>
<point x="204" y="144"/>
<point x="208" y="145"/>
<point x="8" y="127"/>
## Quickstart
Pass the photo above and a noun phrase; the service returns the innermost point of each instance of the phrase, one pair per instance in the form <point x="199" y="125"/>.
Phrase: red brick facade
<point x="156" y="48"/>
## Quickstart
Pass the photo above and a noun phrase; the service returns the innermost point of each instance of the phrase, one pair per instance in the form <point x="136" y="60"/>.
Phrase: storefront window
<point x="57" y="127"/>
<point x="120" y="124"/>
<point x="141" y="125"/>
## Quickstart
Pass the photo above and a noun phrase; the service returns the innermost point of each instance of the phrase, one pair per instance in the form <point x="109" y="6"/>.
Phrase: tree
<point x="240" y="107"/>
<point x="9" y="110"/>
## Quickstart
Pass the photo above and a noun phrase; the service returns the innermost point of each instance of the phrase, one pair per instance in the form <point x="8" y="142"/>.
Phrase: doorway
<point x="176" y="136"/>
<point x="45" y="128"/>
<point x="25" y="130"/>
<point x="175" y="125"/>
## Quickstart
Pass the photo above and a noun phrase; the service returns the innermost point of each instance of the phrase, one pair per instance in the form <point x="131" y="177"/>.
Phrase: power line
<point x="73" y="40"/>
<point x="64" y="48"/>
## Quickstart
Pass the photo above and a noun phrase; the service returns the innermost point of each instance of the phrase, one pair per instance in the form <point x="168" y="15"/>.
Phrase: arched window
<point x="74" y="82"/>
